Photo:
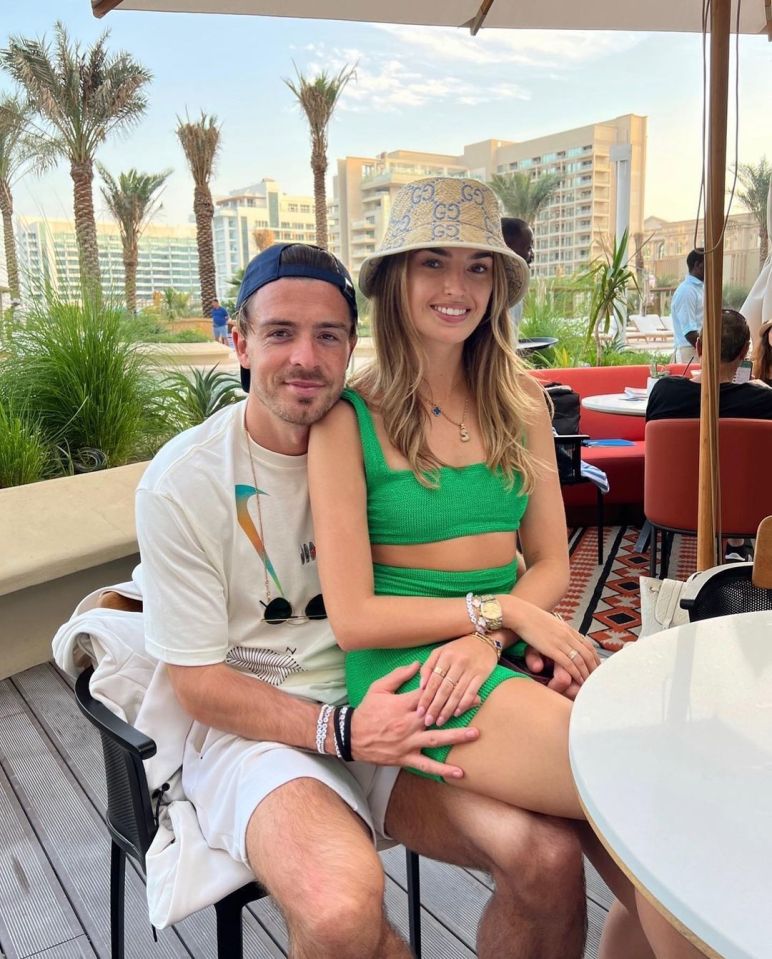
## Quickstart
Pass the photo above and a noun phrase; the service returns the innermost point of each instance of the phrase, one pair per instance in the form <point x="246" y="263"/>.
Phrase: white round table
<point x="671" y="749"/>
<point x="617" y="403"/>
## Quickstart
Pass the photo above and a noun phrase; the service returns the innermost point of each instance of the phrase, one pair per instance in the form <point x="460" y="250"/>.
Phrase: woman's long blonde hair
<point x="762" y="356"/>
<point x="492" y="371"/>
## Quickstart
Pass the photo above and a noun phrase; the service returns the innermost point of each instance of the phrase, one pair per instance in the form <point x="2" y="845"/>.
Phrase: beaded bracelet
<point x="338" y="719"/>
<point x="321" y="728"/>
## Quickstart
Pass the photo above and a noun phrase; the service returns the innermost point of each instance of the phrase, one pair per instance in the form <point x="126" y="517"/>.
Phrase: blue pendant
<point x="436" y="410"/>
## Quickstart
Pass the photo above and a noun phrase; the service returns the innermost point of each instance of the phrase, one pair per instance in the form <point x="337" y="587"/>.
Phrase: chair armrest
<point x="568" y="450"/>
<point x="125" y="735"/>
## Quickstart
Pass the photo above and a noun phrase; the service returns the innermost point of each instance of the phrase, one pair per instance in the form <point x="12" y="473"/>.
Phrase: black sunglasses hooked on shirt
<point x="279" y="611"/>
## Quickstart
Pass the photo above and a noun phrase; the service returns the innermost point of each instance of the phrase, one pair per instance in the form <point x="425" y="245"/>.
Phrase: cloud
<point x="534" y="48"/>
<point x="390" y="83"/>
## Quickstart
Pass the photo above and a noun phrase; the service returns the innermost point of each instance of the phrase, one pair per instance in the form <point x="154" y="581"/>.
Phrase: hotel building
<point x="261" y="206"/>
<point x="601" y="189"/>
<point x="48" y="256"/>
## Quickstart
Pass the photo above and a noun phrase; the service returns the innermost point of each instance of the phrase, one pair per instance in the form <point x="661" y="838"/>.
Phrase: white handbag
<point x="661" y="599"/>
<point x="660" y="607"/>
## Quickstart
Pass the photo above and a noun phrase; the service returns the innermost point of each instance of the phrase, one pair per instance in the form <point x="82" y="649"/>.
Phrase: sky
<point x="416" y="88"/>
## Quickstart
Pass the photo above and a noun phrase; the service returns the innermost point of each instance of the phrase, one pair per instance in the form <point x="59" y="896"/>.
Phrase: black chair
<point x="133" y="824"/>
<point x="568" y="452"/>
<point x="727" y="591"/>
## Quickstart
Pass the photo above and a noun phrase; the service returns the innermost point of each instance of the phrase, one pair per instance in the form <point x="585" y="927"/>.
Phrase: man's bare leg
<point x="316" y="859"/>
<point x="537" y="910"/>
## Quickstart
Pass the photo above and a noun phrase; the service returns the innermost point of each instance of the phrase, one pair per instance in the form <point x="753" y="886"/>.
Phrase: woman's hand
<point x="552" y="637"/>
<point x="451" y="678"/>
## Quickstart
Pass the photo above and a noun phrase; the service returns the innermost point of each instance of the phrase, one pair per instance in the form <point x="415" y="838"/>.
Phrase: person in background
<point x="688" y="307"/>
<point x="676" y="397"/>
<point x="219" y="323"/>
<point x="519" y="237"/>
<point x="762" y="357"/>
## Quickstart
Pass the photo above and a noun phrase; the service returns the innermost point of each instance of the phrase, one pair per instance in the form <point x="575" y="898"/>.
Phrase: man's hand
<point x="386" y="728"/>
<point x="562" y="681"/>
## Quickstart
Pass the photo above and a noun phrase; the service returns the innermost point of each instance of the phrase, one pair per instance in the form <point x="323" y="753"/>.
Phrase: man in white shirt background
<point x="688" y="307"/>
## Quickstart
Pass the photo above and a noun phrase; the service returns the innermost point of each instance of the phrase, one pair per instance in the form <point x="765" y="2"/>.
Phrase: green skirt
<point x="365" y="666"/>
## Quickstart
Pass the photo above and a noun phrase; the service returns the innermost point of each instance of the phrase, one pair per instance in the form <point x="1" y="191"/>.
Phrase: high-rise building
<point x="600" y="191"/>
<point x="669" y="242"/>
<point x="48" y="256"/>
<point x="261" y="206"/>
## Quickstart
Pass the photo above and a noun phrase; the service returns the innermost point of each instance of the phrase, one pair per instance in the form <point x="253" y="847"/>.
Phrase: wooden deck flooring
<point x="54" y="855"/>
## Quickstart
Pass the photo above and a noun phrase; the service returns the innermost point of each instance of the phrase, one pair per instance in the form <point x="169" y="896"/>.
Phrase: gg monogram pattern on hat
<point x="446" y="212"/>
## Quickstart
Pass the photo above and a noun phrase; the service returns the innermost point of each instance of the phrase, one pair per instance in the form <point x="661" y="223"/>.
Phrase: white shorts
<point x="227" y="777"/>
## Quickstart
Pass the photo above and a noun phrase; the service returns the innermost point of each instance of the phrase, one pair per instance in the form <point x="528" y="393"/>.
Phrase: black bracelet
<point x="337" y="731"/>
<point x="345" y="746"/>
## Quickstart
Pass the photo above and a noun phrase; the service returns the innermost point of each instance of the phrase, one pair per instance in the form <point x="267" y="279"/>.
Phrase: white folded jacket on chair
<point x="183" y="873"/>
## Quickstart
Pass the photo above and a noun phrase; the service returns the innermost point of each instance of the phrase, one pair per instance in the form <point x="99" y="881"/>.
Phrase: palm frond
<point x="200" y="141"/>
<point x="521" y="195"/>
<point x="133" y="199"/>
<point x="318" y="98"/>
<point x="754" y="179"/>
<point x="81" y="96"/>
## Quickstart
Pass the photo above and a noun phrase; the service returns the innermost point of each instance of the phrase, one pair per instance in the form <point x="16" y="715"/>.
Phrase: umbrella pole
<point x="709" y="491"/>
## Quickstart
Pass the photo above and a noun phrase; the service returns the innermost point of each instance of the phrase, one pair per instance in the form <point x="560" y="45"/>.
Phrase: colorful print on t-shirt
<point x="243" y="495"/>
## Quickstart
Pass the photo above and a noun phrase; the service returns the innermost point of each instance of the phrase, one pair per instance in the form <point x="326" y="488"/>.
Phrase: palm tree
<point x="15" y="151"/>
<point x="200" y="142"/>
<point x="132" y="201"/>
<point x="318" y="99"/>
<point x="263" y="239"/>
<point x="522" y="195"/>
<point x="755" y="180"/>
<point x="81" y="97"/>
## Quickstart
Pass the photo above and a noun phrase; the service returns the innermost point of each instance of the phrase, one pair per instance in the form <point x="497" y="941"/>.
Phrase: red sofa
<point x="622" y="464"/>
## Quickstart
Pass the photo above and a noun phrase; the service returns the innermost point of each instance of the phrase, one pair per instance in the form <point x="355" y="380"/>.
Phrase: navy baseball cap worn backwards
<point x="269" y="266"/>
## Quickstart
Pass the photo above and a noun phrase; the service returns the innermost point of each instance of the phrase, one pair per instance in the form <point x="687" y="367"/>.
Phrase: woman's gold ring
<point x="441" y="672"/>
<point x="452" y="682"/>
<point x="573" y="654"/>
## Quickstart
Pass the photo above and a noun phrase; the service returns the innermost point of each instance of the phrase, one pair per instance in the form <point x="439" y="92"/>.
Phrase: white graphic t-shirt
<point x="204" y="562"/>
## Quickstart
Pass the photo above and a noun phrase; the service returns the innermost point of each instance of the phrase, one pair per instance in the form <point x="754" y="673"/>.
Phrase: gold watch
<point x="490" y="617"/>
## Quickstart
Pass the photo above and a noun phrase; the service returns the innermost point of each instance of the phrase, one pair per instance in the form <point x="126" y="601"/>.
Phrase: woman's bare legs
<point x="521" y="757"/>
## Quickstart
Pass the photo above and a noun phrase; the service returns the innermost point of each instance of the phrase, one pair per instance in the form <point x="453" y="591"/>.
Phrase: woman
<point x="762" y="357"/>
<point x="423" y="479"/>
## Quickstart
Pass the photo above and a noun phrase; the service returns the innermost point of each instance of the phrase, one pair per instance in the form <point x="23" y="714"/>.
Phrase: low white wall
<point x="61" y="539"/>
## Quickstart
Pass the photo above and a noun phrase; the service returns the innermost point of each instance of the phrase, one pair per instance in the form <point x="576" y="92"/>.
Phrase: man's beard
<point x="301" y="412"/>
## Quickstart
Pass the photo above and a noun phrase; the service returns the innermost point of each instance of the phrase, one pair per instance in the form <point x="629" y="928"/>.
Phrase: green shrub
<point x="24" y="455"/>
<point x="151" y="327"/>
<point x="91" y="390"/>
<point x="195" y="396"/>
<point x="734" y="295"/>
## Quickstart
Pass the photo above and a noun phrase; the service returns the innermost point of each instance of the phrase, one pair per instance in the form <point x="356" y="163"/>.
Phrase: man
<point x="519" y="237"/>
<point x="676" y="397"/>
<point x="688" y="306"/>
<point x="219" y="323"/>
<point x="233" y="606"/>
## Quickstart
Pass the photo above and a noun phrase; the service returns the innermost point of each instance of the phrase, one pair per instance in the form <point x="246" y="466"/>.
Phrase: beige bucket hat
<point x="446" y="212"/>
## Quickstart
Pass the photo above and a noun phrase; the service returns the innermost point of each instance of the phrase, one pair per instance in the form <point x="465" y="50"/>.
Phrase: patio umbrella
<point x="757" y="308"/>
<point x="664" y="15"/>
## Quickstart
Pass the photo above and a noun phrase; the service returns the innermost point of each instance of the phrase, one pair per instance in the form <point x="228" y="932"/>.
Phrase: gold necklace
<point x="463" y="432"/>
<point x="264" y="558"/>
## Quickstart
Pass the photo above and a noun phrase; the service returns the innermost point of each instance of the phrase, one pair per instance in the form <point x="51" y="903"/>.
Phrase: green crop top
<point x="400" y="511"/>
